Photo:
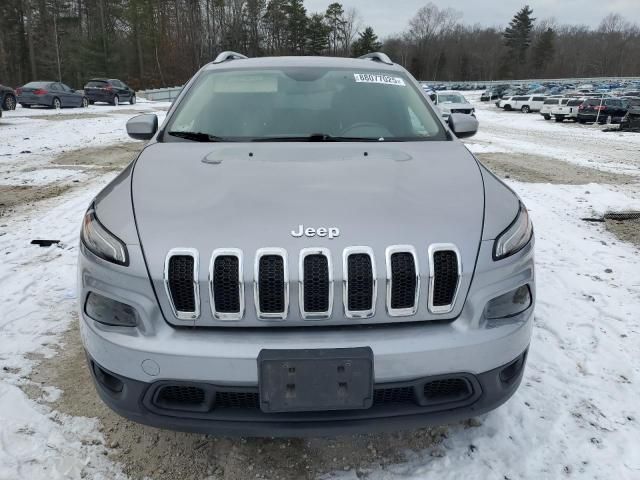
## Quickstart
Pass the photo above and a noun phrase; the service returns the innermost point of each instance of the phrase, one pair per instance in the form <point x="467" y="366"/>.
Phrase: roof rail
<point x="377" y="57"/>
<point x="226" y="56"/>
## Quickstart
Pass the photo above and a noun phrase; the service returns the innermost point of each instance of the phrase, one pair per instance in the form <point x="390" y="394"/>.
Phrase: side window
<point x="538" y="99"/>
<point x="66" y="88"/>
<point x="56" y="87"/>
<point x="564" y="101"/>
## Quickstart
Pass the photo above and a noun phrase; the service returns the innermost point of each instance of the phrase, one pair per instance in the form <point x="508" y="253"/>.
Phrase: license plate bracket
<point x="315" y="379"/>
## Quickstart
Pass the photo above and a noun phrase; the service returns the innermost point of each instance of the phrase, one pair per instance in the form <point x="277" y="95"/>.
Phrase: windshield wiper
<point x="318" y="137"/>
<point x="197" y="136"/>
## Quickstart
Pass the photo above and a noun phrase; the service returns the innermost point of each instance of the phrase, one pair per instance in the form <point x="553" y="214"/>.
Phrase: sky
<point x="391" y="16"/>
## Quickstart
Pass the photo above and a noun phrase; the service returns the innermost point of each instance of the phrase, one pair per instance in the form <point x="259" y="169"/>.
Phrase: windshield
<point x="451" y="98"/>
<point x="303" y="103"/>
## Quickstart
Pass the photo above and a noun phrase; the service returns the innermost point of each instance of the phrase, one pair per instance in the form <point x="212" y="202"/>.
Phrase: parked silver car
<point x="304" y="247"/>
<point x="451" y="102"/>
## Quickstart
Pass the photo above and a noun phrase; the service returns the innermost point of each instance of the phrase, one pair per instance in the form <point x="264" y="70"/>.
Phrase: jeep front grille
<point x="315" y="279"/>
<point x="403" y="281"/>
<point x="271" y="283"/>
<point x="316" y="286"/>
<point x="181" y="283"/>
<point x="226" y="284"/>
<point x="359" y="282"/>
<point x="444" y="277"/>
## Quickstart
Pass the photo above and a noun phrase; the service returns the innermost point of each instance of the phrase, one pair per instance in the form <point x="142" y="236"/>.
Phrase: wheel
<point x="609" y="120"/>
<point x="116" y="101"/>
<point x="56" y="103"/>
<point x="132" y="100"/>
<point x="9" y="102"/>
<point x="525" y="109"/>
<point x="85" y="102"/>
<point x="507" y="108"/>
<point x="547" y="117"/>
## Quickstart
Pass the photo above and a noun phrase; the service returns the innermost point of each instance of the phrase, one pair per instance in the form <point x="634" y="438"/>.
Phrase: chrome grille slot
<point x="403" y="280"/>
<point x="359" y="282"/>
<point x="445" y="271"/>
<point x="271" y="283"/>
<point x="181" y="283"/>
<point x="226" y="284"/>
<point x="316" y="283"/>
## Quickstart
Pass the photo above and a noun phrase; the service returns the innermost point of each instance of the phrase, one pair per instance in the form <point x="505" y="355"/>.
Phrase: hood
<point x="250" y="196"/>
<point x="455" y="106"/>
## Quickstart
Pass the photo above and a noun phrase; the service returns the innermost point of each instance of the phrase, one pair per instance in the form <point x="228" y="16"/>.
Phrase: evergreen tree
<point x="543" y="50"/>
<point x="334" y="17"/>
<point x="317" y="35"/>
<point x="368" y="42"/>
<point x="296" y="26"/>
<point x="517" y="35"/>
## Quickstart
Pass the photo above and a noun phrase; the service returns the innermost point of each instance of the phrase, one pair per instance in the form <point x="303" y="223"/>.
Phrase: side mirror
<point x="463" y="125"/>
<point x="142" y="127"/>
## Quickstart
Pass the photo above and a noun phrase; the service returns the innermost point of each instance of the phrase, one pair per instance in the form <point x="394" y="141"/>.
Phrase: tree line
<point x="154" y="43"/>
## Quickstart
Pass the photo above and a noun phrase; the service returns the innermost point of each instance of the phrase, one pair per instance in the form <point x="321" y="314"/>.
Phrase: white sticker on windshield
<point x="376" y="78"/>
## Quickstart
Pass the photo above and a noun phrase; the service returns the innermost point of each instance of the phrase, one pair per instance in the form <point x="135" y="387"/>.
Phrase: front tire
<point x="9" y="102"/>
<point x="56" y="104"/>
<point x="507" y="108"/>
<point x="85" y="102"/>
<point x="116" y="101"/>
<point x="132" y="101"/>
<point x="547" y="117"/>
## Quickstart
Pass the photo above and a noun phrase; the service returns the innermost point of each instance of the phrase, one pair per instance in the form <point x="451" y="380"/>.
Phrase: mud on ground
<point x="539" y="169"/>
<point x="165" y="455"/>
<point x="113" y="157"/>
<point x="12" y="196"/>
<point x="627" y="230"/>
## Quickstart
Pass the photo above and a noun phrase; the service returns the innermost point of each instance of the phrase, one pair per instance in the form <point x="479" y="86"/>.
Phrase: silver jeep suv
<point x="304" y="247"/>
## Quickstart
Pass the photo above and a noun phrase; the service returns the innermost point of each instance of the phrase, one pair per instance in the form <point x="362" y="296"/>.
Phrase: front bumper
<point x="405" y="354"/>
<point x="138" y="401"/>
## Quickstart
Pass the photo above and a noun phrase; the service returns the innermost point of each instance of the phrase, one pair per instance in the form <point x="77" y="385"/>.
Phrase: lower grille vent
<point x="182" y="397"/>
<point x="390" y="396"/>
<point x="248" y="400"/>
<point x="447" y="390"/>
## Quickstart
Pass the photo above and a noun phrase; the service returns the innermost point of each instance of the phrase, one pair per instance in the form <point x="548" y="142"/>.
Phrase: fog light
<point x="510" y="304"/>
<point x="110" y="312"/>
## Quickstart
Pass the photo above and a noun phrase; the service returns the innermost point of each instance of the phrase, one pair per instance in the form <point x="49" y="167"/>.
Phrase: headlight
<point x="101" y="241"/>
<point x="515" y="237"/>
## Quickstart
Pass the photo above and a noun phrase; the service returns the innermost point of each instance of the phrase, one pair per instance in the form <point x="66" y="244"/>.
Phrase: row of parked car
<point x="60" y="95"/>
<point x="576" y="107"/>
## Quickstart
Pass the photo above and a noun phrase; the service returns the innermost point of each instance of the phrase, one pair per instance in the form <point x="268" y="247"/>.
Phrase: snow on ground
<point x="29" y="137"/>
<point x="584" y="145"/>
<point x="576" y="415"/>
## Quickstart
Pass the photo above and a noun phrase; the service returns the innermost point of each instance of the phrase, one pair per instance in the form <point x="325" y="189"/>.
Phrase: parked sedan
<point x="109" y="90"/>
<point x="50" y="94"/>
<point x="7" y="98"/>
<point x="602" y="110"/>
